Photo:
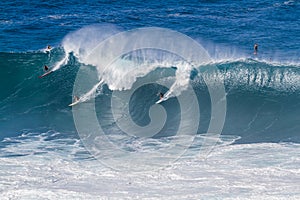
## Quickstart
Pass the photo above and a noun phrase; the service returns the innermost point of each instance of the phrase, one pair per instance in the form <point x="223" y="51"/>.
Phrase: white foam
<point x="60" y="63"/>
<point x="245" y="171"/>
<point x="121" y="73"/>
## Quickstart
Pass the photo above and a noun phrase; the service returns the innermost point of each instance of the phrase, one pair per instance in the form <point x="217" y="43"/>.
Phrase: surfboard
<point x="161" y="100"/>
<point x="74" y="103"/>
<point x="45" y="74"/>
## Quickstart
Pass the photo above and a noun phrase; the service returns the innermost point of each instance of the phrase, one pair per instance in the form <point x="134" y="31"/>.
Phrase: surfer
<point x="161" y="98"/>
<point x="46" y="68"/>
<point x="255" y="48"/>
<point x="49" y="47"/>
<point x="76" y="98"/>
<point x="161" y="95"/>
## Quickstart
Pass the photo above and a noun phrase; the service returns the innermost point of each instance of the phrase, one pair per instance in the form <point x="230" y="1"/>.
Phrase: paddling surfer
<point x="255" y="48"/>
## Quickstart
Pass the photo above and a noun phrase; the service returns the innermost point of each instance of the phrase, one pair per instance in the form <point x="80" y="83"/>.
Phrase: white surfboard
<point x="161" y="100"/>
<point x="45" y="74"/>
<point x="74" y="103"/>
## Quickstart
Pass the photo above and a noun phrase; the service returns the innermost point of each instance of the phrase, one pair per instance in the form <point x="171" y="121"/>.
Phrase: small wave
<point x="286" y="3"/>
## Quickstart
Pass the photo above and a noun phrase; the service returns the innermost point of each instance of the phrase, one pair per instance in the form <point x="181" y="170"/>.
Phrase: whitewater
<point x="227" y="126"/>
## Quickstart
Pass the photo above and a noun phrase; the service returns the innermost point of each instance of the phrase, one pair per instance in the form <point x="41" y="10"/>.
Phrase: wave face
<point x="30" y="103"/>
<point x="262" y="98"/>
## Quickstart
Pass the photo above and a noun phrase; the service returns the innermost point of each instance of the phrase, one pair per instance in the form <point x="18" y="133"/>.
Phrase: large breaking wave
<point x="262" y="97"/>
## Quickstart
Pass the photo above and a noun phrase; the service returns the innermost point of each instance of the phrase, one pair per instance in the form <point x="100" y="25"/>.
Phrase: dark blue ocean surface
<point x="273" y="24"/>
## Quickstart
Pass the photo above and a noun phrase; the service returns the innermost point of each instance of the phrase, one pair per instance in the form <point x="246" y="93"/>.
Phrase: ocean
<point x="226" y="126"/>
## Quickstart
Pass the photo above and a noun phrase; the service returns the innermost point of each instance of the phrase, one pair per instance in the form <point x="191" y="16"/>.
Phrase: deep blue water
<point x="274" y="25"/>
